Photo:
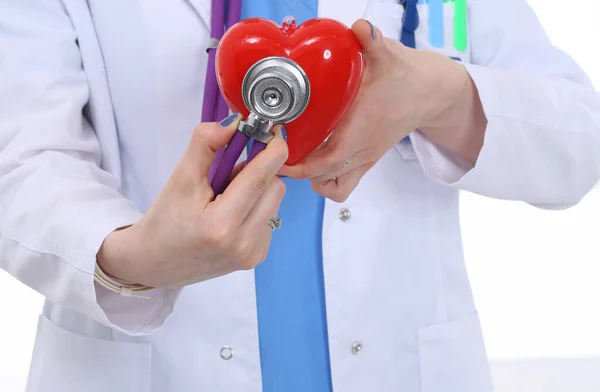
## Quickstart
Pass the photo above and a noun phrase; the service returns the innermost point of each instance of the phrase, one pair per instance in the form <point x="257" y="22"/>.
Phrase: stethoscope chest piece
<point x="276" y="89"/>
<point x="303" y="76"/>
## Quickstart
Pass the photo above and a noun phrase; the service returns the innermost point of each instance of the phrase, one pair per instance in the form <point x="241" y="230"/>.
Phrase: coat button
<point x="226" y="352"/>
<point x="356" y="348"/>
<point x="344" y="214"/>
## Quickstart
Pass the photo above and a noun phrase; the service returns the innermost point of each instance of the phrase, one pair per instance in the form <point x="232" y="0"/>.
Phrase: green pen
<point x="460" y="25"/>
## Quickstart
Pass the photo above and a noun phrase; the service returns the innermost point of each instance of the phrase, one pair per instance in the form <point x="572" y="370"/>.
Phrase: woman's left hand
<point x="403" y="89"/>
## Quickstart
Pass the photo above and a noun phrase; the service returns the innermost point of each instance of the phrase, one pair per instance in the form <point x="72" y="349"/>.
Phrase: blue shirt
<point x="292" y="324"/>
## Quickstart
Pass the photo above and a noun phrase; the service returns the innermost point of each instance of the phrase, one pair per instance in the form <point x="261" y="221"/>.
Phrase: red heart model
<point x="327" y="51"/>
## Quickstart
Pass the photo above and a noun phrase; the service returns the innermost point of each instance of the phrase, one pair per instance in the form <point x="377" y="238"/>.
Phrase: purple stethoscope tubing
<point x="233" y="16"/>
<point x="229" y="157"/>
<point x="257" y="147"/>
<point x="232" y="152"/>
<point x="215" y="108"/>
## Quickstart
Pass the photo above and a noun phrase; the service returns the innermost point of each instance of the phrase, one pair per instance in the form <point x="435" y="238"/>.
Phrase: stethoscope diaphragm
<point x="276" y="89"/>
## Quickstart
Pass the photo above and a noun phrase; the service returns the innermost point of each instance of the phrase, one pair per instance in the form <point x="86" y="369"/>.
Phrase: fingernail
<point x="372" y="30"/>
<point x="227" y="121"/>
<point x="284" y="132"/>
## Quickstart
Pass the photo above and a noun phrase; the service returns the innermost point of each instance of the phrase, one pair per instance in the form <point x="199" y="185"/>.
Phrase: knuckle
<point x="339" y="196"/>
<point x="260" y="182"/>
<point x="219" y="236"/>
<point x="333" y="163"/>
<point x="263" y="255"/>
<point x="305" y="172"/>
<point x="260" y="256"/>
<point x="317" y="187"/>
<point x="283" y="153"/>
<point x="249" y="263"/>
<point x="302" y="171"/>
<point x="242" y="253"/>
<point x="279" y="187"/>
<point x="257" y="258"/>
<point x="202" y="131"/>
<point x="280" y="149"/>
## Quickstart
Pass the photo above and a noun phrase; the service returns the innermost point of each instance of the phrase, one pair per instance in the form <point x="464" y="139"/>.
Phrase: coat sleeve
<point x="56" y="203"/>
<point x="542" y="140"/>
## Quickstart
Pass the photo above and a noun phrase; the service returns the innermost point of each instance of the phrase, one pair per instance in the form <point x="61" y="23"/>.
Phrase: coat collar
<point x="203" y="9"/>
<point x="344" y="11"/>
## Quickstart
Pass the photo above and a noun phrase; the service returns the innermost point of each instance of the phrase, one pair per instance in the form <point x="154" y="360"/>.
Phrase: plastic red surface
<point x="327" y="50"/>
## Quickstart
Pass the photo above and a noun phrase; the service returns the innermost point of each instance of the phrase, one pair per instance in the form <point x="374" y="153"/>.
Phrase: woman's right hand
<point x="187" y="237"/>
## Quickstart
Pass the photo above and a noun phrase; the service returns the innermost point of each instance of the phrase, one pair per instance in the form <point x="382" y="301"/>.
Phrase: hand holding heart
<point x="367" y="93"/>
<point x="402" y="90"/>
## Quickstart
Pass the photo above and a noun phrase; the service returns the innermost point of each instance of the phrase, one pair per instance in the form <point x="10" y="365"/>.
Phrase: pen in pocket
<point x="436" y="23"/>
<point x="460" y="25"/>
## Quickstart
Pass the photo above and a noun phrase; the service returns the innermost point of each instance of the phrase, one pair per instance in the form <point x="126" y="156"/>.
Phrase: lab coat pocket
<point x="453" y="357"/>
<point x="68" y="362"/>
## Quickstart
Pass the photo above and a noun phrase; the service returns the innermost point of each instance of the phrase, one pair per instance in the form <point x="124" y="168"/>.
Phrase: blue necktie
<point x="290" y="295"/>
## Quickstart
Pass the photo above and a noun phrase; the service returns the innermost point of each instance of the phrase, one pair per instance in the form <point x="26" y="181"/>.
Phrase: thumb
<point x="369" y="36"/>
<point x="207" y="139"/>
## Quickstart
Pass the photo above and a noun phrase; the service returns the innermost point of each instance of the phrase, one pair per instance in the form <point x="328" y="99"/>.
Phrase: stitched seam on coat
<point x="546" y="127"/>
<point x="439" y="260"/>
<point x="32" y="249"/>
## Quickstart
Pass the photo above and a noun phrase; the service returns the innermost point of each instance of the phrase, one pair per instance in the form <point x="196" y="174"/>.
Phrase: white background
<point x="535" y="274"/>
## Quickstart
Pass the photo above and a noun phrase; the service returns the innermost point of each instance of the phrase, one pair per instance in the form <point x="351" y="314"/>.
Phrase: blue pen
<point x="436" y="23"/>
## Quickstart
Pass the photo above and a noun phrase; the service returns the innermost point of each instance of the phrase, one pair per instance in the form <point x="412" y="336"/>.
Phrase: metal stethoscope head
<point x="276" y="90"/>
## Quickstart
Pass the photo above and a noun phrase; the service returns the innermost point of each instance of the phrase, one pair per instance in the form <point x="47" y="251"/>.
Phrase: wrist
<point x="435" y="90"/>
<point x="461" y="123"/>
<point x="454" y="94"/>
<point x="117" y="256"/>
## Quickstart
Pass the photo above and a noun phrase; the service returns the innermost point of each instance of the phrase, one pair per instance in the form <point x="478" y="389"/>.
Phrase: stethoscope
<point x="275" y="90"/>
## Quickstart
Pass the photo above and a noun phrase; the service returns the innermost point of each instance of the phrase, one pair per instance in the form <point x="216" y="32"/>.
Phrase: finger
<point x="369" y="36"/>
<point x="326" y="160"/>
<point x="357" y="161"/>
<point x="256" y="225"/>
<point x="266" y="207"/>
<point x="339" y="189"/>
<point x="325" y="165"/>
<point x="316" y="163"/>
<point x="206" y="140"/>
<point x="246" y="188"/>
<point x="364" y="157"/>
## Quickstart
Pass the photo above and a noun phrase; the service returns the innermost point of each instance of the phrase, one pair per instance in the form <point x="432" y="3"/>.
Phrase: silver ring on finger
<point x="275" y="223"/>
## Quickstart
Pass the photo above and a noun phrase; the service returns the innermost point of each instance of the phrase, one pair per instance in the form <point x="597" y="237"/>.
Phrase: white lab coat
<point x="97" y="102"/>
